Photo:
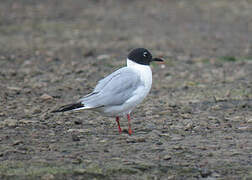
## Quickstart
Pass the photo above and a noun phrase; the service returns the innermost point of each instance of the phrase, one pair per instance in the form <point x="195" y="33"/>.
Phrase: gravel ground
<point x="196" y="123"/>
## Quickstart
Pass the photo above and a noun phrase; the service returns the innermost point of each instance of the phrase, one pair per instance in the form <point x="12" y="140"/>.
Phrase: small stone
<point x="78" y="130"/>
<point x="80" y="171"/>
<point x="159" y="143"/>
<point x="17" y="142"/>
<point x="75" y="137"/>
<point x="176" y="138"/>
<point x="235" y="153"/>
<point x="205" y="173"/>
<point x="46" y="97"/>
<point x="39" y="84"/>
<point x="249" y="120"/>
<point x="202" y="148"/>
<point x="77" y="122"/>
<point x="48" y="177"/>
<point x="165" y="135"/>
<point x="135" y="140"/>
<point x="188" y="127"/>
<point x="37" y="53"/>
<point x="89" y="53"/>
<point x="76" y="161"/>
<point x="228" y="93"/>
<point x="216" y="107"/>
<point x="186" y="116"/>
<point x="196" y="128"/>
<point x="103" y="56"/>
<point x="211" y="118"/>
<point x="10" y="122"/>
<point x="2" y="57"/>
<point x="36" y="111"/>
<point x="228" y="137"/>
<point x="171" y="177"/>
<point x="243" y="128"/>
<point x="178" y="147"/>
<point x="237" y="118"/>
<point x="26" y="121"/>
<point x="27" y="62"/>
<point x="103" y="141"/>
<point x="215" y="174"/>
<point x="167" y="157"/>
<point x="14" y="88"/>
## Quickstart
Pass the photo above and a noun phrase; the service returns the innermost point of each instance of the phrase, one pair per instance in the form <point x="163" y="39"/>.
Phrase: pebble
<point x="186" y="116"/>
<point x="48" y="177"/>
<point x="167" y="157"/>
<point x="216" y="175"/>
<point x="165" y="135"/>
<point x="13" y="88"/>
<point x="176" y="138"/>
<point x="171" y="177"/>
<point x="36" y="111"/>
<point x="249" y="120"/>
<point x="77" y="122"/>
<point x="188" y="127"/>
<point x="46" y="97"/>
<point x="89" y="53"/>
<point x="17" y="142"/>
<point x="236" y="118"/>
<point x="103" y="56"/>
<point x="136" y="140"/>
<point x="78" y="130"/>
<point x="243" y="128"/>
<point x="75" y="137"/>
<point x="177" y="147"/>
<point x="9" y="122"/>
<point x="205" y="173"/>
<point x="80" y="171"/>
<point x="27" y="121"/>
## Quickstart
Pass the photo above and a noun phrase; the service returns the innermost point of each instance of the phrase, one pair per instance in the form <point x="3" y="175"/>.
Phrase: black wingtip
<point x="68" y="107"/>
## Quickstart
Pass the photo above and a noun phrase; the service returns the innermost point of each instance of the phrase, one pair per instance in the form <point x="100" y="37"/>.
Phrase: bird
<point x="120" y="92"/>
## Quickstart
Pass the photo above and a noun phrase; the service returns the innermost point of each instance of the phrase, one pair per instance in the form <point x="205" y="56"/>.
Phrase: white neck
<point x="143" y="70"/>
<point x="131" y="63"/>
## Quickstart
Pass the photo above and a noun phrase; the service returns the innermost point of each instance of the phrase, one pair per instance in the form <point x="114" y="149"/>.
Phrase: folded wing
<point x="115" y="89"/>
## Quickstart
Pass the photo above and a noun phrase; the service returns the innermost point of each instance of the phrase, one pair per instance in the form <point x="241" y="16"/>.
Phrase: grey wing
<point x="105" y="80"/>
<point x="115" y="89"/>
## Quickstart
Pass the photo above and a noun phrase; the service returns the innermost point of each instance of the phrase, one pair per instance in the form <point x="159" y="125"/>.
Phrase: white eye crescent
<point x="145" y="54"/>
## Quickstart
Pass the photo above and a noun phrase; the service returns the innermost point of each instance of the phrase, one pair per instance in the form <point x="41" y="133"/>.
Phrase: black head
<point x="142" y="56"/>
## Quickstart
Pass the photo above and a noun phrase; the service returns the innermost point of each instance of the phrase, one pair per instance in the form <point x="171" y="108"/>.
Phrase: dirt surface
<point x="196" y="123"/>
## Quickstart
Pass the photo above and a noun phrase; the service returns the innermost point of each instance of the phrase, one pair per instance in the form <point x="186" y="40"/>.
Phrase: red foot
<point x="118" y="124"/>
<point x="129" y="131"/>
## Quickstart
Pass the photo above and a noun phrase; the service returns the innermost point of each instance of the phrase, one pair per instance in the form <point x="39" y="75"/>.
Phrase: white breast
<point x="145" y="73"/>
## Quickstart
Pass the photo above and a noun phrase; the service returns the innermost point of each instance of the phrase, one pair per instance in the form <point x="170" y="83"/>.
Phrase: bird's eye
<point x="145" y="54"/>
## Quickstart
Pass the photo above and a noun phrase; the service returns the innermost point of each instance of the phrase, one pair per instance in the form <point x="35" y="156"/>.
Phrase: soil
<point x="196" y="123"/>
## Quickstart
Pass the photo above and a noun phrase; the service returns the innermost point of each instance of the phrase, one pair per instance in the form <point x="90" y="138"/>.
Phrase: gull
<point x="120" y="92"/>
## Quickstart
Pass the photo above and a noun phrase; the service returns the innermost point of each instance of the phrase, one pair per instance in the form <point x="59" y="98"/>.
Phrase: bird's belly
<point x="119" y="110"/>
<point x="125" y="108"/>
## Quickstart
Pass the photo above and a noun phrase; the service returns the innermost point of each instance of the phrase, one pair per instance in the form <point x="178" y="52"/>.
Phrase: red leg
<point x="118" y="124"/>
<point x="130" y="131"/>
